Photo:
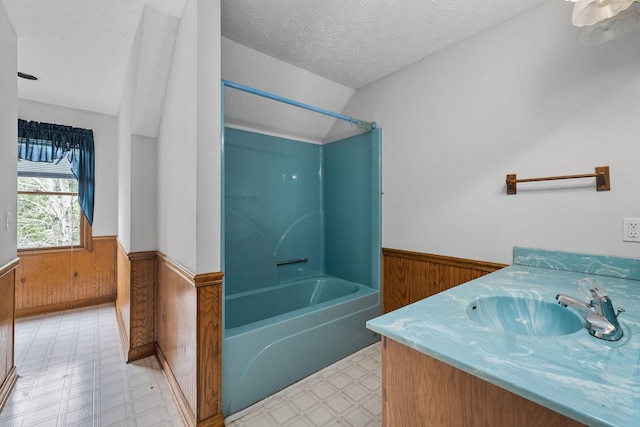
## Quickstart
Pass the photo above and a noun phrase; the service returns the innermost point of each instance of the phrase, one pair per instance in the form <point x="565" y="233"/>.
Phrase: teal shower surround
<point x="273" y="210"/>
<point x="350" y="198"/>
<point x="301" y="257"/>
<point x="287" y="200"/>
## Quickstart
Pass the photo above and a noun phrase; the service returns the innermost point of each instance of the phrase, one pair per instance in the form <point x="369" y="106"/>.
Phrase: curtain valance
<point x="46" y="142"/>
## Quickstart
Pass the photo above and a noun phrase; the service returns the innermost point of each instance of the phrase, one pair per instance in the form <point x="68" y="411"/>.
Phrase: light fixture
<point x="590" y="12"/>
<point x="604" y="20"/>
<point x="612" y="28"/>
<point x="27" y="76"/>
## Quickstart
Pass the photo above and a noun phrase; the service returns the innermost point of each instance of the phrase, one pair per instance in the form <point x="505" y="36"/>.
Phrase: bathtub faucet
<point x="601" y="318"/>
<point x="292" y="261"/>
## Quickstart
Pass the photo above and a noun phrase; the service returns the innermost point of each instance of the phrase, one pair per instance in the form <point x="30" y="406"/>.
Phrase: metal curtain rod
<point x="360" y="124"/>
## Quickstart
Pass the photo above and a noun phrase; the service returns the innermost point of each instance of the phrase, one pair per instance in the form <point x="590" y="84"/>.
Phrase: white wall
<point x="105" y="135"/>
<point x="524" y="97"/>
<point x="158" y="32"/>
<point x="144" y="197"/>
<point x="137" y="155"/>
<point x="209" y="176"/>
<point x="125" y="120"/>
<point x="189" y="144"/>
<point x="8" y="136"/>
<point x="176" y="149"/>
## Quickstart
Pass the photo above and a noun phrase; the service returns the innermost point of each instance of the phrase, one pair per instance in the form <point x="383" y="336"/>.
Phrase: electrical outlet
<point x="631" y="231"/>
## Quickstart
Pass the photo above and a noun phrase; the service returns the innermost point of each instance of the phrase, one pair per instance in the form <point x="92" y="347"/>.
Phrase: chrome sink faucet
<point x="601" y="318"/>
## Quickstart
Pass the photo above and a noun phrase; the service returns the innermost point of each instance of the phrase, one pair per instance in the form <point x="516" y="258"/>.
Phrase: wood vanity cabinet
<point x="418" y="390"/>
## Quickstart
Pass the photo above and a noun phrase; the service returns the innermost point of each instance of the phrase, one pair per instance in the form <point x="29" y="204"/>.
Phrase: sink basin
<point x="524" y="316"/>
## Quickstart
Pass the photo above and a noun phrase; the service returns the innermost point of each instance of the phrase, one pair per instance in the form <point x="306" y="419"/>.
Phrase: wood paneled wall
<point x="8" y="375"/>
<point x="135" y="302"/>
<point x="189" y="340"/>
<point x="123" y="298"/>
<point x="418" y="387"/>
<point x="53" y="280"/>
<point x="162" y="308"/>
<point x="408" y="277"/>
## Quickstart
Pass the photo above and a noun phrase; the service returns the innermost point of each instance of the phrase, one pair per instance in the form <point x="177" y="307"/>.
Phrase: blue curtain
<point x="45" y="142"/>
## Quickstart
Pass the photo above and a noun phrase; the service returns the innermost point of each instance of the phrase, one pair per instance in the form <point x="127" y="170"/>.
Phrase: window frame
<point x="86" y="235"/>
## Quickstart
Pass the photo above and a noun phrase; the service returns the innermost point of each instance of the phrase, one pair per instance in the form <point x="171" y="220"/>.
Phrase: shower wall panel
<point x="287" y="200"/>
<point x="351" y="188"/>
<point x="273" y="210"/>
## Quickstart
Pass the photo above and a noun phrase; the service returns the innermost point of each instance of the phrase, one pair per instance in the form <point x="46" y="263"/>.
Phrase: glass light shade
<point x="590" y="12"/>
<point x="612" y="28"/>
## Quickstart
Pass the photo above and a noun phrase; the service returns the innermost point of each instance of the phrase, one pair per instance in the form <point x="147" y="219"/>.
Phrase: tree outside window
<point x="48" y="214"/>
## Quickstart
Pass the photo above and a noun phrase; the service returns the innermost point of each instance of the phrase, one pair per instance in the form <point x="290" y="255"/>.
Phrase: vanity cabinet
<point x="443" y="365"/>
<point x="418" y="390"/>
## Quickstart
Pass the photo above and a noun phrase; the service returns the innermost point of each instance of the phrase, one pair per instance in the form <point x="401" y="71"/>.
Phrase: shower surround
<point x="301" y="258"/>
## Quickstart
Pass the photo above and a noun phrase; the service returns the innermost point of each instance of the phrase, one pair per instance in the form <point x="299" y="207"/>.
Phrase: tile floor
<point x="346" y="393"/>
<point x="72" y="373"/>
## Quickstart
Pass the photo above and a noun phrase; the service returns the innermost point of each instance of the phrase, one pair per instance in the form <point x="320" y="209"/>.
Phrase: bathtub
<point x="278" y="335"/>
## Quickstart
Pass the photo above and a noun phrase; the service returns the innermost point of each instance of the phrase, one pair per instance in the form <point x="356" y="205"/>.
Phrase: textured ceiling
<point x="80" y="49"/>
<point x="359" y="41"/>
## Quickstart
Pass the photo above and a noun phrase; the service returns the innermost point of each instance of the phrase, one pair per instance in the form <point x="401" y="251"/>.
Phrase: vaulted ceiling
<point x="80" y="49"/>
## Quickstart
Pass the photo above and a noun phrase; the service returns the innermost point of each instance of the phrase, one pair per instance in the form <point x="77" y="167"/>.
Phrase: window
<point x="49" y="215"/>
<point x="50" y="143"/>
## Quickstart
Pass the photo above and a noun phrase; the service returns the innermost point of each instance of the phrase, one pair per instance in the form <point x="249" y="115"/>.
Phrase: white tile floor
<point x="72" y="373"/>
<point x="346" y="393"/>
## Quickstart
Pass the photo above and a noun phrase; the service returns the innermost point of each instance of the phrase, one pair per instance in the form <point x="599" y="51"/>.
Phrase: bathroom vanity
<point x="451" y="360"/>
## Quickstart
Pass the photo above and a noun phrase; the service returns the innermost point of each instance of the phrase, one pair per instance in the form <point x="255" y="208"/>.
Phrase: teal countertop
<point x="593" y="381"/>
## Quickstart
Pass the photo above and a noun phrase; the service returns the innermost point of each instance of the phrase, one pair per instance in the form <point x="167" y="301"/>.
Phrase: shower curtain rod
<point x="360" y="124"/>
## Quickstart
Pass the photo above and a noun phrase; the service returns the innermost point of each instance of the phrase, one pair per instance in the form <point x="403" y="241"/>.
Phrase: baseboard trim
<point x="188" y="417"/>
<point x="63" y="306"/>
<point x="135" y="353"/>
<point x="7" y="386"/>
<point x="124" y="336"/>
<point x="214" y="421"/>
<point x="141" y="352"/>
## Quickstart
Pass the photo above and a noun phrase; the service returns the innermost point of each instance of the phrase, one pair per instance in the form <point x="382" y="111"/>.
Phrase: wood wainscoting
<point x="408" y="277"/>
<point x="135" y="303"/>
<point x="189" y="340"/>
<point x="54" y="280"/>
<point x="8" y="375"/>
